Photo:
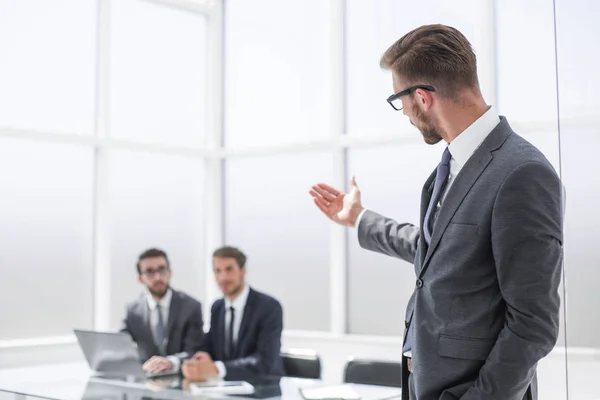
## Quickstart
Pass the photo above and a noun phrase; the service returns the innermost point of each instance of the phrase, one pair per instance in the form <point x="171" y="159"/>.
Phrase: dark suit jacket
<point x="485" y="308"/>
<point x="259" y="340"/>
<point x="185" y="335"/>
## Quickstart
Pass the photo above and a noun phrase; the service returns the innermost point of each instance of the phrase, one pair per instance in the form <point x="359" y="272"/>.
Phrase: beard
<point x="159" y="292"/>
<point x="235" y="291"/>
<point x="230" y="289"/>
<point x="430" y="132"/>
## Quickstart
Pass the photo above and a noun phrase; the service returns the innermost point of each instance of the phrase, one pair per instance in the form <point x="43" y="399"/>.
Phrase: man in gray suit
<point x="166" y="324"/>
<point x="488" y="255"/>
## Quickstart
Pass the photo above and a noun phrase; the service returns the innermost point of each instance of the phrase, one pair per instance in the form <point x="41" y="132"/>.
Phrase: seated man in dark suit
<point x="245" y="329"/>
<point x="166" y="324"/>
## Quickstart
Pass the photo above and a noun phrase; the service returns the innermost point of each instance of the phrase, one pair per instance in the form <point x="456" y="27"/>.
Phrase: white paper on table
<point x="338" y="392"/>
<point x="221" y="387"/>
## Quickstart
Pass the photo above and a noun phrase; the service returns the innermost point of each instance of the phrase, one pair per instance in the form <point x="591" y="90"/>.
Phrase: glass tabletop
<point x="75" y="382"/>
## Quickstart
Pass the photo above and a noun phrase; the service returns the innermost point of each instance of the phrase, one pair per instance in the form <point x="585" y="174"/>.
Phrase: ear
<point x="424" y="98"/>
<point x="140" y="279"/>
<point x="244" y="271"/>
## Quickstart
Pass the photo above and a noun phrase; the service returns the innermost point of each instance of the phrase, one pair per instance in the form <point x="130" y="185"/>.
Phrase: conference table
<point x="75" y="381"/>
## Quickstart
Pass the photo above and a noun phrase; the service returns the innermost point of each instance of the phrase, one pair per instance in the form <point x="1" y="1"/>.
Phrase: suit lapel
<point x="456" y="194"/>
<point x="145" y="313"/>
<point x="146" y="322"/>
<point x="174" y="310"/>
<point x="219" y="336"/>
<point x="248" y="310"/>
<point x="422" y="246"/>
<point x="463" y="184"/>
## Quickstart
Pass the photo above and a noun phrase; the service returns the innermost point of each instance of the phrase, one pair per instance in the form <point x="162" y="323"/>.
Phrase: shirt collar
<point x="240" y="302"/>
<point x="465" y="144"/>
<point x="165" y="302"/>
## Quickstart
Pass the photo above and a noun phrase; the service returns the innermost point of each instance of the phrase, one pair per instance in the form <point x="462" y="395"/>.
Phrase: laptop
<point x="113" y="355"/>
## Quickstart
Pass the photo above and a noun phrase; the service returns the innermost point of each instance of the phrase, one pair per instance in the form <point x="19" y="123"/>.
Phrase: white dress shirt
<point x="165" y="306"/>
<point x="461" y="149"/>
<point x="238" y="304"/>
<point x="465" y="144"/>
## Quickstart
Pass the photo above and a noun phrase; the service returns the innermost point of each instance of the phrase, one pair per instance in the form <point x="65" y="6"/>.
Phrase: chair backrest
<point x="300" y="363"/>
<point x="373" y="372"/>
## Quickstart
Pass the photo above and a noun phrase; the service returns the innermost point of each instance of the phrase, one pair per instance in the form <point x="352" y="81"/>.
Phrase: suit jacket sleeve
<point x="209" y="345"/>
<point x="193" y="339"/>
<point x="268" y="348"/>
<point x="386" y="236"/>
<point x="527" y="249"/>
<point x="125" y="322"/>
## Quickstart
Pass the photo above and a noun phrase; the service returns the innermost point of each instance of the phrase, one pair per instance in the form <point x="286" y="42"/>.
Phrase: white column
<point x="337" y="97"/>
<point x="101" y="224"/>
<point x="213" y="195"/>
<point x="485" y="45"/>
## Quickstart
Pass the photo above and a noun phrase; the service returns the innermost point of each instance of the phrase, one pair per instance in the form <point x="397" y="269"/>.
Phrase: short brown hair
<point x="151" y="253"/>
<point x="231" y="252"/>
<point x="437" y="55"/>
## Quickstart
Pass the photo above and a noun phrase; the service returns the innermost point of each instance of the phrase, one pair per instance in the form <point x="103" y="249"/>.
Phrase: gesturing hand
<point x="342" y="208"/>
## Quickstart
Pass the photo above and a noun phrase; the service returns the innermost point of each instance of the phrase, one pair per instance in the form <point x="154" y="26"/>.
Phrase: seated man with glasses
<point x="166" y="324"/>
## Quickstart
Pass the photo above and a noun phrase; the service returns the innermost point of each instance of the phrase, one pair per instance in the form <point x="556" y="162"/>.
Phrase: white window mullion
<point x="195" y="6"/>
<point x="213" y="189"/>
<point x="338" y="250"/>
<point x="485" y="42"/>
<point x="102" y="272"/>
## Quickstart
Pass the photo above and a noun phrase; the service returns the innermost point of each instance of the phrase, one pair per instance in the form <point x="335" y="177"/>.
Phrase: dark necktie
<point x="230" y="341"/>
<point x="159" y="330"/>
<point x="441" y="178"/>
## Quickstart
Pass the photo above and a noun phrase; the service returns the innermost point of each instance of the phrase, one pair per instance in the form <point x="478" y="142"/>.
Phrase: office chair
<point x="300" y="363"/>
<point x="372" y="372"/>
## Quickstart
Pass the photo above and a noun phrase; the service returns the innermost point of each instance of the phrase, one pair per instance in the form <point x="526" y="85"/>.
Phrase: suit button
<point x="419" y="283"/>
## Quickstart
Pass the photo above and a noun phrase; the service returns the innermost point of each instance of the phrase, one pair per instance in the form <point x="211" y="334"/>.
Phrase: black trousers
<point x="411" y="387"/>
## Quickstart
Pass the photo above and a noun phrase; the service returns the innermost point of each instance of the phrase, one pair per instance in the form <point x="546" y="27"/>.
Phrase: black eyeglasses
<point x="162" y="270"/>
<point x="396" y="101"/>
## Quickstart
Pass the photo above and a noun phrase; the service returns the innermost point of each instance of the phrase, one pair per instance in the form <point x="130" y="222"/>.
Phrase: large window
<point x="277" y="72"/>
<point x="370" y="31"/>
<point x="47" y="64"/>
<point x="578" y="88"/>
<point x="157" y="73"/>
<point x="46" y="235"/>
<point x="390" y="180"/>
<point x="523" y="26"/>
<point x="192" y="124"/>
<point x="102" y="121"/>
<point x="156" y="201"/>
<point x="271" y="218"/>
